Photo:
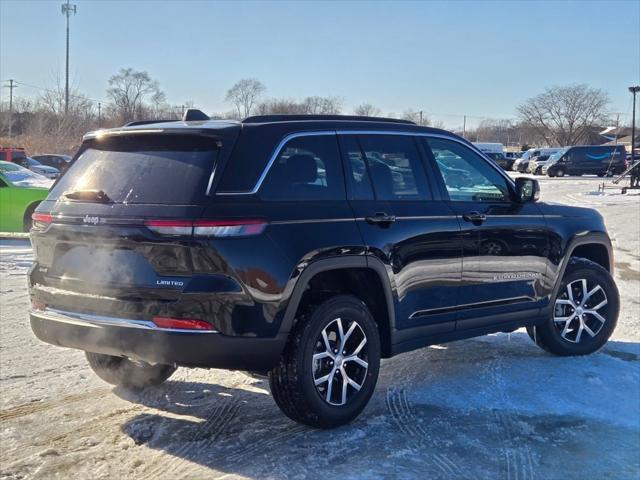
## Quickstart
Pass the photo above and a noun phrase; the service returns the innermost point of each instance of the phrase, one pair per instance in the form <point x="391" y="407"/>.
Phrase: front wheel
<point x="584" y="313"/>
<point x="329" y="368"/>
<point x="560" y="172"/>
<point x="124" y="372"/>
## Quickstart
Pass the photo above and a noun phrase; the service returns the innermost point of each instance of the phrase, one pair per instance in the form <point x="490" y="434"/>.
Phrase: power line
<point x="55" y="91"/>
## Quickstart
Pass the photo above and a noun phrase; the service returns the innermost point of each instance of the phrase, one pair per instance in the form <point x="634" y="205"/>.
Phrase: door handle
<point x="381" y="218"/>
<point x="475" y="217"/>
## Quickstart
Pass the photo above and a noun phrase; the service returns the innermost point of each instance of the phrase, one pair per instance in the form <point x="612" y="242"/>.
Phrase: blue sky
<point x="475" y="58"/>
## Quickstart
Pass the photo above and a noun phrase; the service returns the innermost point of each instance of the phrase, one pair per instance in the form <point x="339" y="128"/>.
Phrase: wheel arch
<point x="28" y="211"/>
<point x="594" y="246"/>
<point x="359" y="275"/>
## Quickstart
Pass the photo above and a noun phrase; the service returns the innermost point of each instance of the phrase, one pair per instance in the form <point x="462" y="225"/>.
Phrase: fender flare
<point x="590" y="238"/>
<point x="339" y="263"/>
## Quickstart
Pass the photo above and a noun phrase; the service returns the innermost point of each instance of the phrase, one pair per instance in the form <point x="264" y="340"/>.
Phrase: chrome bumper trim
<point x="100" y="321"/>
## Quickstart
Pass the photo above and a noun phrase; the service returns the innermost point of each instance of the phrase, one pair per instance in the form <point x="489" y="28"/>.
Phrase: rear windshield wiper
<point x="88" y="196"/>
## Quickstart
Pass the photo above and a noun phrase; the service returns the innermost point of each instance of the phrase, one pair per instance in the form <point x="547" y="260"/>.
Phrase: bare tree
<point x="367" y="110"/>
<point x="280" y="106"/>
<point x="565" y="115"/>
<point x="244" y="95"/>
<point x="128" y="91"/>
<point x="308" y="106"/>
<point x="322" y="105"/>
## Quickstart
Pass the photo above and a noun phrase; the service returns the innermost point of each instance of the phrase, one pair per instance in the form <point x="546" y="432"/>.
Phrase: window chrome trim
<point x="275" y="154"/>
<point x="291" y="136"/>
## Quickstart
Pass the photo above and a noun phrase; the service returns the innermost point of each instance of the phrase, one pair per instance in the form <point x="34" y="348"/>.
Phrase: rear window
<point x="168" y="169"/>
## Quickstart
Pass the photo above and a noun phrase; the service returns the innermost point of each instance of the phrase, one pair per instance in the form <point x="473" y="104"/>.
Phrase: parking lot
<point x="490" y="407"/>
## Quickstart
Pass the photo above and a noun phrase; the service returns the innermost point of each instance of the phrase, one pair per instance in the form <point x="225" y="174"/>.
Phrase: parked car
<point x="21" y="191"/>
<point x="61" y="162"/>
<point x="265" y="246"/>
<point x="11" y="154"/>
<point x="598" y="160"/>
<point x="522" y="164"/>
<point x="495" y="151"/>
<point x="513" y="156"/>
<point x="37" y="167"/>
<point x="536" y="164"/>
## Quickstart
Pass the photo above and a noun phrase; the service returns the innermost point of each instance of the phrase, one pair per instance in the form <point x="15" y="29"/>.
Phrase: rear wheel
<point x="329" y="368"/>
<point x="585" y="311"/>
<point x="124" y="372"/>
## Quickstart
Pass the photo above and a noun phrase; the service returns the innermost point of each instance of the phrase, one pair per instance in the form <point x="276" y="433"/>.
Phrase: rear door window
<point x="395" y="167"/>
<point x="306" y="168"/>
<point x="156" y="169"/>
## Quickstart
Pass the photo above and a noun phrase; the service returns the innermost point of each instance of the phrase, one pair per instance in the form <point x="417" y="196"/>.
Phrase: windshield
<point x="169" y="170"/>
<point x="33" y="162"/>
<point x="556" y="156"/>
<point x="21" y="177"/>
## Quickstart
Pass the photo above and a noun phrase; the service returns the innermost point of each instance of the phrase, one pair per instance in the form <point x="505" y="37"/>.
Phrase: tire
<point x="123" y="372"/>
<point x="294" y="382"/>
<point x="574" y="337"/>
<point x="560" y="172"/>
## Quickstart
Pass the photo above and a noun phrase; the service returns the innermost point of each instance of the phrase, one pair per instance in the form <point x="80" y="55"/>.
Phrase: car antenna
<point x="193" y="114"/>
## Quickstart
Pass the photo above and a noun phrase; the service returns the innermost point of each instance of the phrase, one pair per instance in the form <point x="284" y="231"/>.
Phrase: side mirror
<point x="527" y="190"/>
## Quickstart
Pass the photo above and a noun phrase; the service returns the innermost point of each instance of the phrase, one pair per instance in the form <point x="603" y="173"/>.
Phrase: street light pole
<point x="633" y="90"/>
<point x="67" y="9"/>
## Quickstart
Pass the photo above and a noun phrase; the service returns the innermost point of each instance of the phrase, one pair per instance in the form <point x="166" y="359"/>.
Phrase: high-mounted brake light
<point x="182" y="323"/>
<point x="41" y="220"/>
<point x="208" y="228"/>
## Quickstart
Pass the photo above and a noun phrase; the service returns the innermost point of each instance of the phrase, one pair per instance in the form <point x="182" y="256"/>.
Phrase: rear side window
<point x="306" y="168"/>
<point x="169" y="169"/>
<point x="395" y="167"/>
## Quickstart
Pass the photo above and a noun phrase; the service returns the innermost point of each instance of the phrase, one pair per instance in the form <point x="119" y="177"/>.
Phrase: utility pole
<point x="464" y="126"/>
<point x="99" y="108"/>
<point x="11" y="86"/>
<point x="420" y="117"/>
<point x="67" y="10"/>
<point x="633" y="90"/>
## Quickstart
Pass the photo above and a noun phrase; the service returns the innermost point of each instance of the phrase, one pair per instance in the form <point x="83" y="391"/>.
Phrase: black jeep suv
<point x="308" y="248"/>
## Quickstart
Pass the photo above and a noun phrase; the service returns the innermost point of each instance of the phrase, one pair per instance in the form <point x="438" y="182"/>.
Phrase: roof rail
<point x="290" y="118"/>
<point x="147" y="122"/>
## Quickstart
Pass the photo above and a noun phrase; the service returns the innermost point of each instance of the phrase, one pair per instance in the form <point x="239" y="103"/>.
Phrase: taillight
<point x="170" y="227"/>
<point x="182" y="323"/>
<point x="41" y="220"/>
<point x="208" y="228"/>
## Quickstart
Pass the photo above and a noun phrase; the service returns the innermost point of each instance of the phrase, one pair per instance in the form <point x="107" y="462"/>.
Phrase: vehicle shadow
<point x="493" y="407"/>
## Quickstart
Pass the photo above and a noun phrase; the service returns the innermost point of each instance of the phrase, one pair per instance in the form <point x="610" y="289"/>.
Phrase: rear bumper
<point x="141" y="340"/>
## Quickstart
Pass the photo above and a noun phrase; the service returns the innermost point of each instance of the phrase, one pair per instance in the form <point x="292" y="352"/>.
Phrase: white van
<point x="522" y="163"/>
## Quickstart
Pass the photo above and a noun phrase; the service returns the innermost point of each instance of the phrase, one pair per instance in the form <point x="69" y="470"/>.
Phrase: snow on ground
<point x="492" y="407"/>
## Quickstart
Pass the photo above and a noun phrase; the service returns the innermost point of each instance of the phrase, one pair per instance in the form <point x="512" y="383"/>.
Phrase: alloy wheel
<point x="340" y="361"/>
<point x="581" y="308"/>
